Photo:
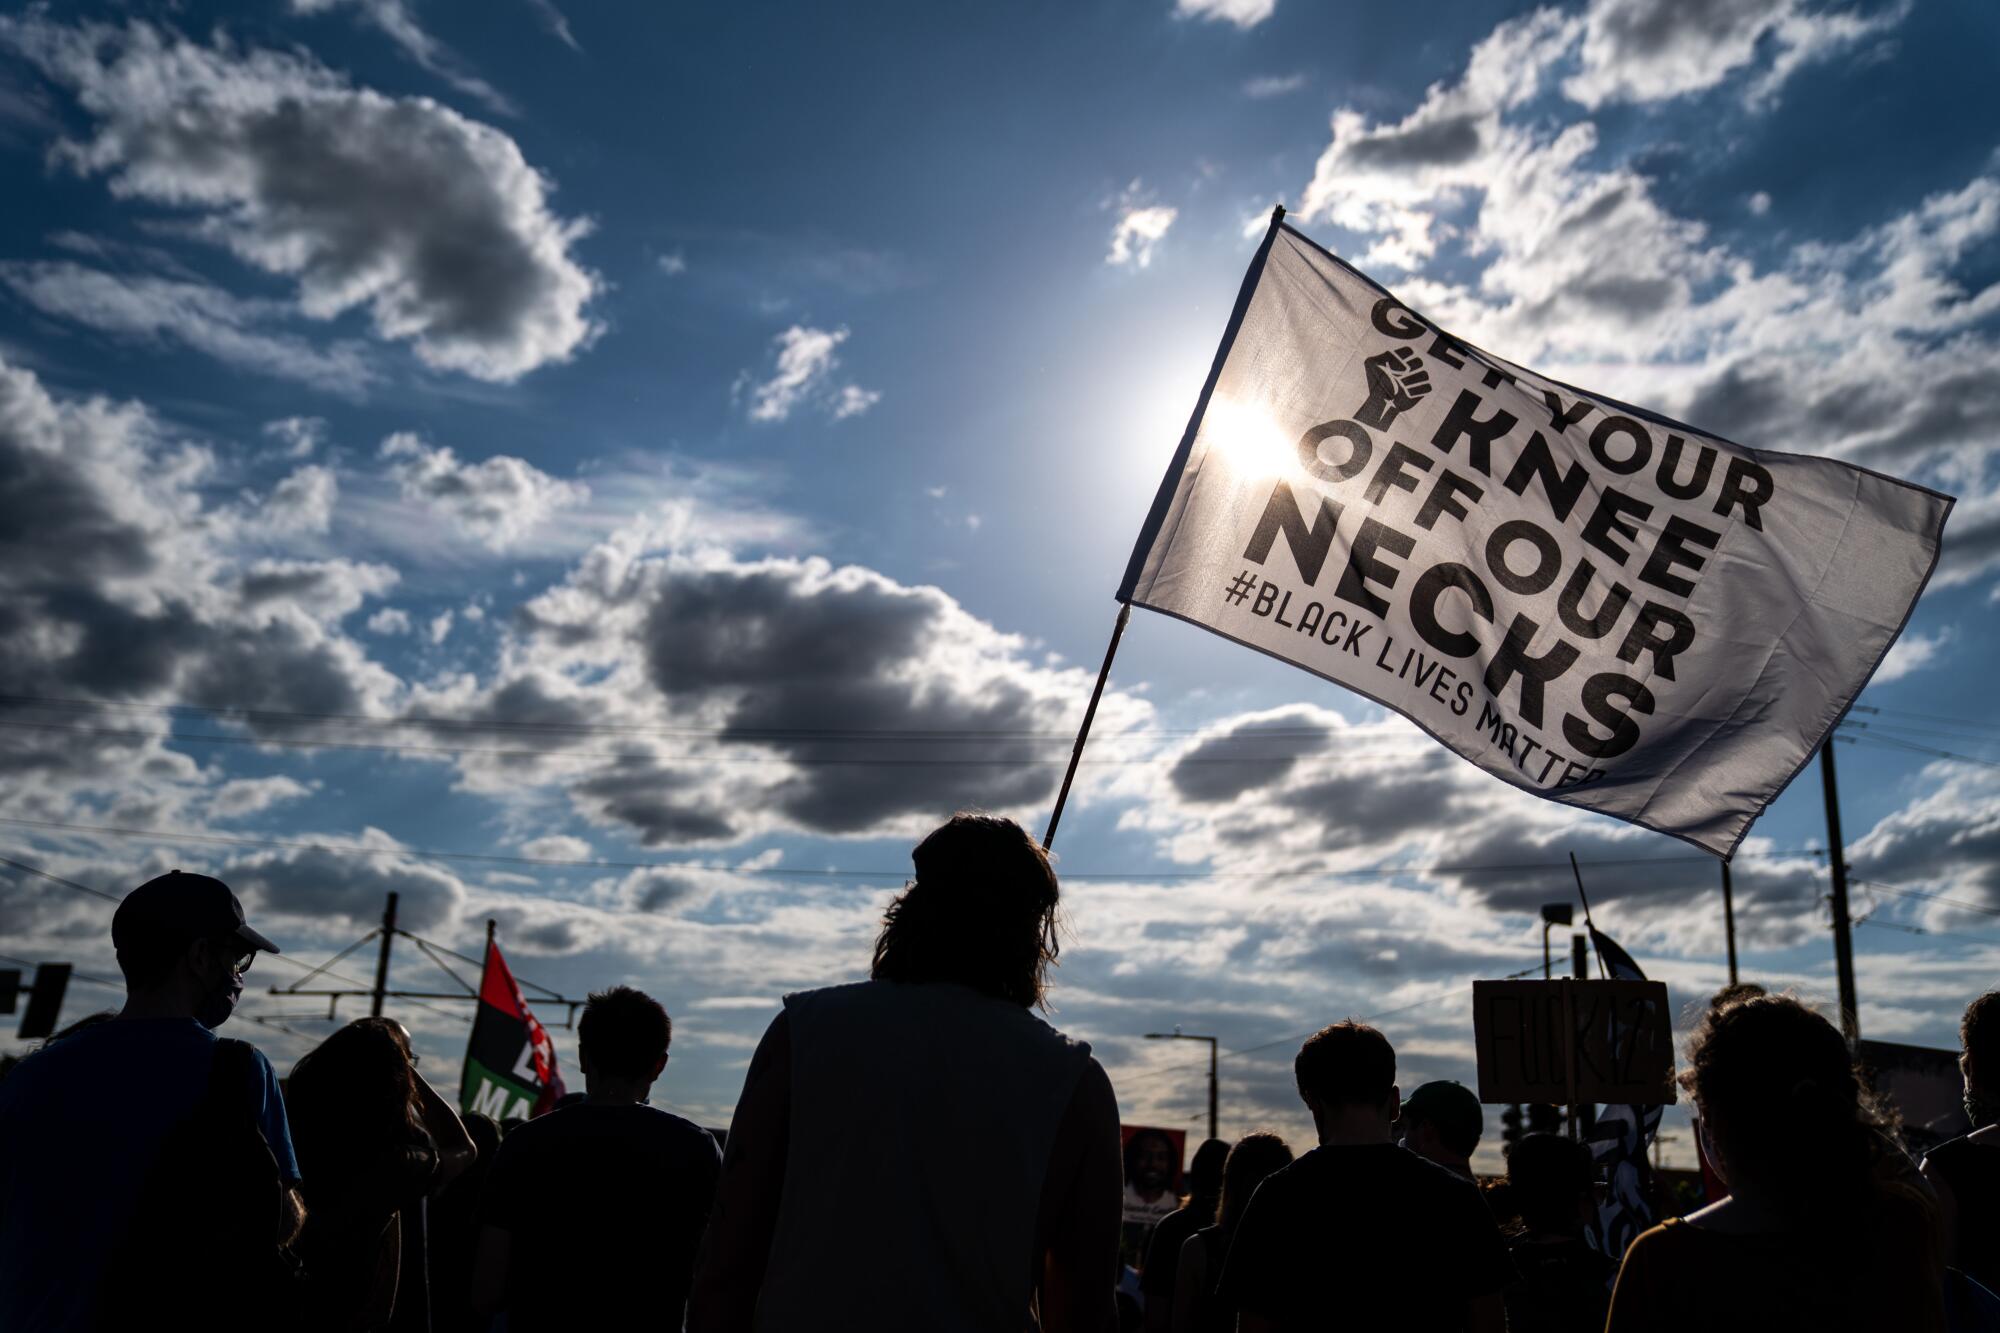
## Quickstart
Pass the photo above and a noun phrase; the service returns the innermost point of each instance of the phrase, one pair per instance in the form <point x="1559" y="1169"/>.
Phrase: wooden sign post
<point x="1571" y="1042"/>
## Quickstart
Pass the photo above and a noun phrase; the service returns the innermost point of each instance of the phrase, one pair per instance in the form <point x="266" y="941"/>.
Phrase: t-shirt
<point x="594" y="1196"/>
<point x="82" y="1121"/>
<point x="1163" y="1251"/>
<point x="1564" y="1287"/>
<point x="1859" y="1274"/>
<point x="1364" y="1235"/>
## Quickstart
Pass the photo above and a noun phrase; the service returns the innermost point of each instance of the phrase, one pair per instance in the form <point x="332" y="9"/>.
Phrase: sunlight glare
<point x="1252" y="442"/>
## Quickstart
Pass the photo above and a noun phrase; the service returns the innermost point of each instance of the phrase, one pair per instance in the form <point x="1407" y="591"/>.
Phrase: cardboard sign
<point x="1564" y="1043"/>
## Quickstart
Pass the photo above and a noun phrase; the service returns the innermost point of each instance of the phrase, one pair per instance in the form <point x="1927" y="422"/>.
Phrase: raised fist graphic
<point x="1396" y="379"/>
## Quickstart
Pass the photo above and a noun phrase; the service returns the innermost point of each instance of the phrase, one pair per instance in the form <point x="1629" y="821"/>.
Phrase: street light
<point x="1178" y="1035"/>
<point x="1553" y="914"/>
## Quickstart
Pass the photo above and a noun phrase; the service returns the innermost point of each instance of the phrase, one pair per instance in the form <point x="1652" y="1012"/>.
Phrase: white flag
<point x="1600" y="605"/>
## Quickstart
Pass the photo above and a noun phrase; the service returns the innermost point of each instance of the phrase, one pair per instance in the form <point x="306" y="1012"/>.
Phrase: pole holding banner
<point x="1729" y="920"/>
<point x="1843" y="938"/>
<point x="1588" y="924"/>
<point x="1083" y="732"/>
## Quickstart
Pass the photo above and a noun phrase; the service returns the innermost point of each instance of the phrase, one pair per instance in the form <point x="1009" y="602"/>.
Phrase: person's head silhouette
<point x="1780" y="1108"/>
<point x="1254" y="1157"/>
<point x="622" y="1042"/>
<point x="183" y="946"/>
<point x="981" y="912"/>
<point x="1347" y="1078"/>
<point x="1204" y="1175"/>
<point x="1979" y="1040"/>
<point x="1549" y="1183"/>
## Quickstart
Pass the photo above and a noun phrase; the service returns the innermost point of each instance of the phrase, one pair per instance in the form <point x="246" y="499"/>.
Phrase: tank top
<point x="922" y="1118"/>
<point x="1972" y="1170"/>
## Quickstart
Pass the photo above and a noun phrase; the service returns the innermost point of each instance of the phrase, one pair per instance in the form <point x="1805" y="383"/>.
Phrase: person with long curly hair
<point x="1826" y="1225"/>
<point x="374" y="1141"/>
<point x="920" y="1150"/>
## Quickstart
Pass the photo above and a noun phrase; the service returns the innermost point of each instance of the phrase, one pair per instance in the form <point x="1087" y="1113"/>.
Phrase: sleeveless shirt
<point x="922" y="1118"/>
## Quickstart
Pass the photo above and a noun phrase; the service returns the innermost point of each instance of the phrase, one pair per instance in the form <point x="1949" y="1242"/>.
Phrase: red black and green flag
<point x="510" y="1063"/>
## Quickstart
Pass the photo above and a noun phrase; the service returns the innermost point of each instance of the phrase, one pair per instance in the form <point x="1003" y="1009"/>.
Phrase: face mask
<point x="1981" y="1111"/>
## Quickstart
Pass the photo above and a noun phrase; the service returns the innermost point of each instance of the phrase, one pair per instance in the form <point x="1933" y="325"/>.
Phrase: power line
<point x="58" y="879"/>
<point x="1912" y="746"/>
<point x="1928" y="717"/>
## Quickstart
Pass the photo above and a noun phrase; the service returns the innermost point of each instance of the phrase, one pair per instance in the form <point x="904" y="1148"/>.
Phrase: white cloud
<point x="767" y="650"/>
<point x="440" y="627"/>
<point x="557" y="847"/>
<point x="1651" y="50"/>
<point x="853" y="400"/>
<point x="1242" y="13"/>
<point x="248" y="796"/>
<point x="1912" y="652"/>
<point x="433" y="222"/>
<point x="497" y="501"/>
<point x="1138" y="231"/>
<point x="195" y="314"/>
<point x="395" y="21"/>
<point x="806" y="361"/>
<point x="673" y="263"/>
<point x="555" y="21"/>
<point x="301" y="504"/>
<point x="1273" y="85"/>
<point x="297" y="437"/>
<point x="1758" y="203"/>
<point x="389" y="620"/>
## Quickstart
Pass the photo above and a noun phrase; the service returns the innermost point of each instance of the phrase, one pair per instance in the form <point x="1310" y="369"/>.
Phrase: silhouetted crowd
<point x="921" y="1151"/>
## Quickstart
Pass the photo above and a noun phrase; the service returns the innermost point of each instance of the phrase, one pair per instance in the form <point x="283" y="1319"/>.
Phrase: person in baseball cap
<point x="184" y="946"/>
<point x="96" y="1178"/>
<point x="1443" y="1121"/>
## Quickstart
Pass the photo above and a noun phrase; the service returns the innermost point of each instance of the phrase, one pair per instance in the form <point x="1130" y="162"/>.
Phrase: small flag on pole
<point x="510" y="1063"/>
<point x="1622" y="1136"/>
<point x="1602" y="606"/>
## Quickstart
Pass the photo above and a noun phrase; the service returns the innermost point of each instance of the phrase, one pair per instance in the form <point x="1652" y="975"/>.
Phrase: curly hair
<point x="982" y="912"/>
<point x="1979" y="1037"/>
<point x="1780" y="1098"/>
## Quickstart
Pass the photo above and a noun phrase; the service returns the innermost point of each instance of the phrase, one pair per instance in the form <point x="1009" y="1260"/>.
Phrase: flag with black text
<point x="1600" y="605"/>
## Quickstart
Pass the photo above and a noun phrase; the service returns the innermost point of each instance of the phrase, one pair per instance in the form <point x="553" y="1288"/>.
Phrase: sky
<point x="626" y="473"/>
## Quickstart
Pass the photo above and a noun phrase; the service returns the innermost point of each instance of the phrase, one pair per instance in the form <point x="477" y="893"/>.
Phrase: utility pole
<point x="1583" y="1117"/>
<point x="382" y="959"/>
<point x="1729" y="920"/>
<point x="1843" y="937"/>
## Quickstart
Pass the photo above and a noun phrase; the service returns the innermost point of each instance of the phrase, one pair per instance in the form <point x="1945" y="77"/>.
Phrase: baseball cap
<point x="1452" y="1107"/>
<point x="179" y="907"/>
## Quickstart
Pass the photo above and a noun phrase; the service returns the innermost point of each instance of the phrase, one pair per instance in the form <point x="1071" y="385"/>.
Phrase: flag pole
<point x="465" y="1069"/>
<point x="1588" y="924"/>
<point x="1083" y="732"/>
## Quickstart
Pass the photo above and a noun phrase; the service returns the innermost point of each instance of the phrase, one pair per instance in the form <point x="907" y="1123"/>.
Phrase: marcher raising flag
<point x="510" y="1063"/>
<point x="1602" y="606"/>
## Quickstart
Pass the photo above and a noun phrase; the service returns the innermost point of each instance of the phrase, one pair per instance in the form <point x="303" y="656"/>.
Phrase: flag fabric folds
<point x="510" y="1063"/>
<point x="1600" y="605"/>
<point x="1621" y="1138"/>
